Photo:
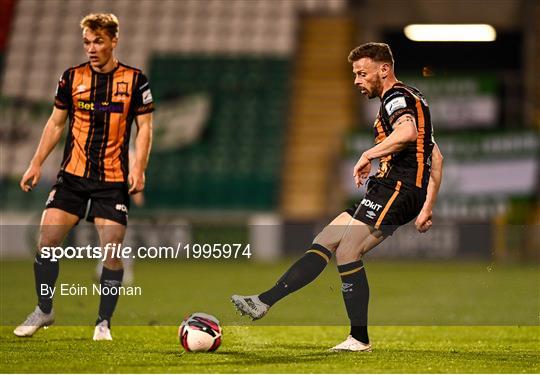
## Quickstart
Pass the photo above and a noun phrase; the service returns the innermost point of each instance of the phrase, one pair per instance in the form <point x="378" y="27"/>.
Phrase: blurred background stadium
<point x="258" y="124"/>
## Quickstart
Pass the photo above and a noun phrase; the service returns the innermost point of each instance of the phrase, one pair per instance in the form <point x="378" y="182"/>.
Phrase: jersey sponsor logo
<point x="112" y="107"/>
<point x="121" y="207"/>
<point x="147" y="97"/>
<point x="368" y="203"/>
<point x="395" y="104"/>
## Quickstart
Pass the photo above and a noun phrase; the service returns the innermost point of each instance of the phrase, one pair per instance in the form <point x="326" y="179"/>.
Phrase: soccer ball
<point x="200" y="332"/>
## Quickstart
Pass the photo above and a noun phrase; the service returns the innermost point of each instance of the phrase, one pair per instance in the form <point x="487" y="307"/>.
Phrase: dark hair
<point x="102" y="21"/>
<point x="376" y="51"/>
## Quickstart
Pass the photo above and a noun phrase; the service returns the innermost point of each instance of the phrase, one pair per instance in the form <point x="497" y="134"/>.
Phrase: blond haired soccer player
<point x="100" y="98"/>
<point x="405" y="187"/>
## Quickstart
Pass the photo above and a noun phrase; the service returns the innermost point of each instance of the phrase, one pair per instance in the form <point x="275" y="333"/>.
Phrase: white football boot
<point x="250" y="305"/>
<point x="102" y="332"/>
<point x="351" y="345"/>
<point x="33" y="322"/>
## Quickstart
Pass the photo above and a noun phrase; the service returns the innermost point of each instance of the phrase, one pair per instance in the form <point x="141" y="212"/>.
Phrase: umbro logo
<point x="371" y="214"/>
<point x="346" y="287"/>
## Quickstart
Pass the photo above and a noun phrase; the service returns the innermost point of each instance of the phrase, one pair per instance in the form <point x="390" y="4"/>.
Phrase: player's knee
<point x="343" y="257"/>
<point x="348" y="254"/>
<point x="326" y="239"/>
<point x="351" y="249"/>
<point x="113" y="236"/>
<point x="47" y="240"/>
<point x="363" y="249"/>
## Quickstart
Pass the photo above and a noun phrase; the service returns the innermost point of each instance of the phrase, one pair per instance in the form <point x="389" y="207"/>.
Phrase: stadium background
<point x="258" y="123"/>
<point x="255" y="134"/>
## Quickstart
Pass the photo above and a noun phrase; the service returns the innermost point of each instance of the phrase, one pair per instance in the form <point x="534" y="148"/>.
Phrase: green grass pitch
<point x="426" y="317"/>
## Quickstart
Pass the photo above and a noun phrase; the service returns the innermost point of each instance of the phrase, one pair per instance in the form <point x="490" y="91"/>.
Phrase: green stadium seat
<point x="236" y="164"/>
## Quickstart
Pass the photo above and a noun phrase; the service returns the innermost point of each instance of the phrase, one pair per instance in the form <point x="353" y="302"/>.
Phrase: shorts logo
<point x="121" y="207"/>
<point x="346" y="287"/>
<point x="395" y="104"/>
<point x="371" y="215"/>
<point x="51" y="197"/>
<point x="374" y="206"/>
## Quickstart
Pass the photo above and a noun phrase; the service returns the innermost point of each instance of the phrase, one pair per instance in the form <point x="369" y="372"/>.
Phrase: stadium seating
<point x="237" y="52"/>
<point x="237" y="162"/>
<point x="45" y="35"/>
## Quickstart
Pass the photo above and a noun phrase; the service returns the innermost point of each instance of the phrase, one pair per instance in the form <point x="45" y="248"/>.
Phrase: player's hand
<point x="361" y="170"/>
<point x="30" y="178"/>
<point x="136" y="181"/>
<point x="424" y="221"/>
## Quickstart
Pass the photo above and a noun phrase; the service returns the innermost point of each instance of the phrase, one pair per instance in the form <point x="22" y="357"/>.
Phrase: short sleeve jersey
<point x="412" y="165"/>
<point x="101" y="109"/>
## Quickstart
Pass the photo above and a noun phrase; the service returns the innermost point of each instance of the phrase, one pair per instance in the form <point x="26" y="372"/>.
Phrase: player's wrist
<point x="137" y="170"/>
<point x="35" y="164"/>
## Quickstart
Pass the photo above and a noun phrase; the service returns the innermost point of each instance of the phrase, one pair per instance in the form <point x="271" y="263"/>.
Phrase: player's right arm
<point x="424" y="219"/>
<point x="49" y="139"/>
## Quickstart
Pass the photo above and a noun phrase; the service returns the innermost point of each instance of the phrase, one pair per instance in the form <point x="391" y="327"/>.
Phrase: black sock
<point x="301" y="273"/>
<point x="107" y="302"/>
<point x="355" y="291"/>
<point x="45" y="275"/>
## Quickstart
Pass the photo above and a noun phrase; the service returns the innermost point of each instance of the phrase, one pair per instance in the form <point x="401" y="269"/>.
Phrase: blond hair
<point x="102" y="21"/>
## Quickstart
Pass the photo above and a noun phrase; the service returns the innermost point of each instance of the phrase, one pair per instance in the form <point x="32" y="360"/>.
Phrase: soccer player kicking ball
<point x="404" y="187"/>
<point x="102" y="97"/>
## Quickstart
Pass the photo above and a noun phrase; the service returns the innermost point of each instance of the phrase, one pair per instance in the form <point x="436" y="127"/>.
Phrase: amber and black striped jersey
<point x="412" y="165"/>
<point x="101" y="108"/>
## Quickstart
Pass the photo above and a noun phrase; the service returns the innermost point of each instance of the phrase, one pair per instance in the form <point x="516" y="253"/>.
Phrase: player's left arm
<point x="143" y="144"/>
<point x="404" y="132"/>
<point x="424" y="220"/>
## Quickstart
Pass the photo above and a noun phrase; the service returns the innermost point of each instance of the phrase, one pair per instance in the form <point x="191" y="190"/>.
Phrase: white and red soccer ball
<point x="200" y="332"/>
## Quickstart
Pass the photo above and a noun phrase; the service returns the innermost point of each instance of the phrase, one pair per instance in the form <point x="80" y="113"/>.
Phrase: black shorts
<point x="108" y="200"/>
<point x="388" y="204"/>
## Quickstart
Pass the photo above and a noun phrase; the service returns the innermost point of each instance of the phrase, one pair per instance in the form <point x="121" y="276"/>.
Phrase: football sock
<point x="107" y="302"/>
<point x="355" y="291"/>
<point x="301" y="273"/>
<point x="45" y="275"/>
